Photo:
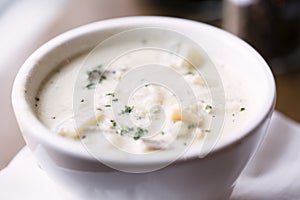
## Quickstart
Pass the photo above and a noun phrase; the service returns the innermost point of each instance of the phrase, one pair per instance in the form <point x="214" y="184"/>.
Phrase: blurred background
<point x="270" y="26"/>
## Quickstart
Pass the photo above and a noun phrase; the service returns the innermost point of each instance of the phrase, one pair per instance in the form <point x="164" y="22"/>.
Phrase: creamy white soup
<point x="149" y="103"/>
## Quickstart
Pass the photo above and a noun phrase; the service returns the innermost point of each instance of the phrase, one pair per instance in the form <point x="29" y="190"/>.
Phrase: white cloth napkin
<point x="273" y="173"/>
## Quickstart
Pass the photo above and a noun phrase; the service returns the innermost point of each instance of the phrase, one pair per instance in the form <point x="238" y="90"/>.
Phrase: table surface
<point x="288" y="94"/>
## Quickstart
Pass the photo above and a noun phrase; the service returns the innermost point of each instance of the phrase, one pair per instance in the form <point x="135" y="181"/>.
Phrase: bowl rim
<point x="28" y="119"/>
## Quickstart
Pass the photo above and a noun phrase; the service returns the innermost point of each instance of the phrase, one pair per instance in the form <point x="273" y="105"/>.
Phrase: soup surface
<point x="93" y="99"/>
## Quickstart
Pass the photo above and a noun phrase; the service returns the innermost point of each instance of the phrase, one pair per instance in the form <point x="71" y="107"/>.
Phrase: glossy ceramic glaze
<point x="76" y="172"/>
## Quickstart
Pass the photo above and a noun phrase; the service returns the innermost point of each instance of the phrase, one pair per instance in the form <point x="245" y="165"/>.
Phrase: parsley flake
<point x="190" y="73"/>
<point x="128" y="109"/>
<point x="114" y="123"/>
<point x="110" y="94"/>
<point x="90" y="86"/>
<point x="139" y="133"/>
<point x="95" y="76"/>
<point x="208" y="108"/>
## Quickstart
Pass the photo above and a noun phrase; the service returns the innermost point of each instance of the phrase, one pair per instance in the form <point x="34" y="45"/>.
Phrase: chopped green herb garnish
<point x="162" y="132"/>
<point x="113" y="95"/>
<point x="139" y="133"/>
<point x="242" y="109"/>
<point x="114" y="123"/>
<point x="95" y="76"/>
<point x="110" y="94"/>
<point x="107" y="105"/>
<point x="190" y="73"/>
<point x="127" y="109"/>
<point x="100" y="109"/>
<point x="82" y="100"/>
<point x="90" y="86"/>
<point x="208" y="108"/>
<point x="124" y="130"/>
<point x="207" y="131"/>
<point x="101" y="78"/>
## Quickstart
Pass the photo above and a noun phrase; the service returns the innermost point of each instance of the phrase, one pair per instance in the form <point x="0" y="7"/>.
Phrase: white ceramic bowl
<point x="67" y="163"/>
